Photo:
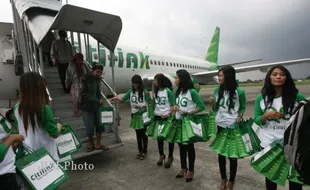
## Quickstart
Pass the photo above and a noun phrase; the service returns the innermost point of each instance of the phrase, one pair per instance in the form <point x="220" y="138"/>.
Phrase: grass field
<point x="304" y="82"/>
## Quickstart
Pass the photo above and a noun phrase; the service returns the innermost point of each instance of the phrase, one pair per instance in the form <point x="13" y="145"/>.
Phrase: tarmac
<point x="117" y="169"/>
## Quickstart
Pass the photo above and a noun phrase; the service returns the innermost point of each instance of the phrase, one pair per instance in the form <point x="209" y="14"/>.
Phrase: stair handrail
<point x="46" y="88"/>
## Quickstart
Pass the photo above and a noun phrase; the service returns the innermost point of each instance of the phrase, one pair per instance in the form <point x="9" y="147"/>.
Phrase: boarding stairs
<point x="63" y="109"/>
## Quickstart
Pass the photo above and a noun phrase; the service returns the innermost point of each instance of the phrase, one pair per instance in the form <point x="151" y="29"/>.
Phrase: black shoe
<point x="181" y="175"/>
<point x="169" y="162"/>
<point x="189" y="179"/>
<point x="161" y="160"/>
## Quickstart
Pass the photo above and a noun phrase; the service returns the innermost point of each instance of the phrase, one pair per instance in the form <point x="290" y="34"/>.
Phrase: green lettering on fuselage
<point x="120" y="58"/>
<point x="144" y="61"/>
<point x="131" y="58"/>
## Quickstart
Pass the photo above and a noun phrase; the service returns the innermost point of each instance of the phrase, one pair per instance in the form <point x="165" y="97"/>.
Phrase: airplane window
<point x="162" y="63"/>
<point x="95" y="56"/>
<point x="170" y="64"/>
<point x="174" y="64"/>
<point x="183" y="66"/>
<point x="151" y="62"/>
<point x="177" y="64"/>
<point x="155" y="62"/>
<point x="167" y="64"/>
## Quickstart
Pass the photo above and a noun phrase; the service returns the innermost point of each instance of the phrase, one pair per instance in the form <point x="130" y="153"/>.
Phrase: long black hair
<point x="230" y="84"/>
<point x="289" y="90"/>
<point x="186" y="82"/>
<point x="136" y="79"/>
<point x="162" y="82"/>
<point x="33" y="97"/>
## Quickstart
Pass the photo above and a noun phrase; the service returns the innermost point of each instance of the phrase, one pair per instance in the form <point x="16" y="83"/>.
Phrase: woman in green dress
<point x="7" y="156"/>
<point x="188" y="103"/>
<point x="139" y="105"/>
<point x="163" y="116"/>
<point x="273" y="109"/>
<point x="229" y="104"/>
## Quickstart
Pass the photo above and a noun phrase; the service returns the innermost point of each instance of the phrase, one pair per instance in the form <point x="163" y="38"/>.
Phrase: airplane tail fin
<point x="213" y="49"/>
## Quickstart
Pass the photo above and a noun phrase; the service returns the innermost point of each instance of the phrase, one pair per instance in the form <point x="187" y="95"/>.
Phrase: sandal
<point x="90" y="148"/>
<point x="142" y="156"/>
<point x="102" y="147"/>
<point x="223" y="184"/>
<point x="138" y="156"/>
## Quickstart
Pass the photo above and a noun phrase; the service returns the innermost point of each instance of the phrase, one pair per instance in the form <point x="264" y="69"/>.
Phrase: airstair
<point x="32" y="20"/>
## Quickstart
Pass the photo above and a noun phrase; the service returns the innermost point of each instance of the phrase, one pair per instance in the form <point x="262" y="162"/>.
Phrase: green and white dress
<point x="42" y="134"/>
<point x="233" y="139"/>
<point x="188" y="128"/>
<point x="271" y="161"/>
<point x="141" y="116"/>
<point x="7" y="156"/>
<point x="163" y="105"/>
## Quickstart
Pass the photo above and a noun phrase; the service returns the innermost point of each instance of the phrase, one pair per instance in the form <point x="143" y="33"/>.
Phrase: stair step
<point x="62" y="105"/>
<point x="54" y="86"/>
<point x="51" y="75"/>
<point x="58" y="92"/>
<point x="82" y="153"/>
<point x="50" y="70"/>
<point x="55" y="80"/>
<point x="64" y="98"/>
<point x="81" y="132"/>
<point x="107" y="138"/>
<point x="64" y="113"/>
<point x="75" y="123"/>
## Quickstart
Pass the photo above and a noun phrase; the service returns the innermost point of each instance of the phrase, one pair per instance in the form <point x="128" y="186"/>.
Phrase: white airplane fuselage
<point x="147" y="65"/>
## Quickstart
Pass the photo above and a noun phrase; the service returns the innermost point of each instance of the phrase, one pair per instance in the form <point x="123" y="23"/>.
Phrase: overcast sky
<point x="271" y="30"/>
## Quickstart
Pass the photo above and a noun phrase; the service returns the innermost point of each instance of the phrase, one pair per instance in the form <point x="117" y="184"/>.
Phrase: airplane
<point x="147" y="64"/>
<point x="132" y="61"/>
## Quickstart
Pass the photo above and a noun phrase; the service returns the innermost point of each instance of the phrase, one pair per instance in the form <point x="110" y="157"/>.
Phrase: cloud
<point x="271" y="30"/>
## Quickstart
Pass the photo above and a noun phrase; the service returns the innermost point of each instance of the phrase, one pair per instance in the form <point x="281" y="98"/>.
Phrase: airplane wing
<point x="240" y="62"/>
<point x="206" y="75"/>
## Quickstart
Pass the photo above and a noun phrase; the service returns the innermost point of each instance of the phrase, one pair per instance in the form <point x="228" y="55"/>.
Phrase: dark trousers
<point x="273" y="186"/>
<point x="233" y="167"/>
<point x="142" y="140"/>
<point x="62" y="69"/>
<point x="47" y="57"/>
<point x="187" y="150"/>
<point x="9" y="182"/>
<point x="160" y="144"/>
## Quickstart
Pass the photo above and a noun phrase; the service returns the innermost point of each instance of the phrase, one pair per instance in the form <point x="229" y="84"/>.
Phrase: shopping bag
<point x="244" y="132"/>
<point x="211" y="124"/>
<point x="106" y="116"/>
<point x="40" y="170"/>
<point x="146" y="119"/>
<point x="67" y="143"/>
